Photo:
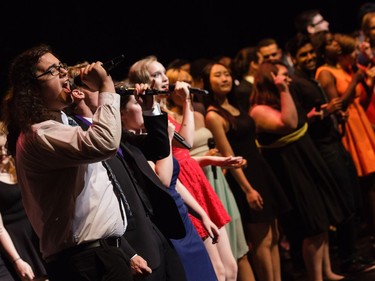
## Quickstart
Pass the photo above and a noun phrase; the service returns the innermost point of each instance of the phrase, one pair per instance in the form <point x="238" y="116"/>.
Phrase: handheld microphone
<point x="211" y="144"/>
<point x="192" y="90"/>
<point x="181" y="140"/>
<point x="108" y="66"/>
<point x="123" y="90"/>
<point x="128" y="91"/>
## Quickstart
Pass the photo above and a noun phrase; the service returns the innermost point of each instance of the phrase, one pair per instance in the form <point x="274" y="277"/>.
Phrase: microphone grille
<point x="211" y="143"/>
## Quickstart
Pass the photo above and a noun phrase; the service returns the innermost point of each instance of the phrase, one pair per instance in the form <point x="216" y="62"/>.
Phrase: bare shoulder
<point x="259" y="110"/>
<point x="213" y="116"/>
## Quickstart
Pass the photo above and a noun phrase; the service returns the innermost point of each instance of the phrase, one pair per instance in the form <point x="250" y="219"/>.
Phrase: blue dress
<point x="191" y="249"/>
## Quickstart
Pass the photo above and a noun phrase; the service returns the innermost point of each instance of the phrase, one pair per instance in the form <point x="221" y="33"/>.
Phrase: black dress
<point x="258" y="173"/>
<point x="20" y="230"/>
<point x="308" y="183"/>
<point x="4" y="272"/>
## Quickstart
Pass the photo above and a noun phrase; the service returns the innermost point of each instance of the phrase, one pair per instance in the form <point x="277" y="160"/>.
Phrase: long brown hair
<point x="23" y="105"/>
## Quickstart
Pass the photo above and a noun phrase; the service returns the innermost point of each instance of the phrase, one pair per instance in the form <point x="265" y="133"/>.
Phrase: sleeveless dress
<point x="234" y="227"/>
<point x="359" y="138"/>
<point x="192" y="176"/>
<point x="191" y="249"/>
<point x="311" y="189"/>
<point x="257" y="172"/>
<point x="19" y="229"/>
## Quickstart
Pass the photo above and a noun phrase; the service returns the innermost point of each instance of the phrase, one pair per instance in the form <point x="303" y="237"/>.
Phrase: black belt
<point x="110" y="241"/>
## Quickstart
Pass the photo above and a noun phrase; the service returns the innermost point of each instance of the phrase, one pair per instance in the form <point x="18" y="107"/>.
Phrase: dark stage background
<point x="80" y="30"/>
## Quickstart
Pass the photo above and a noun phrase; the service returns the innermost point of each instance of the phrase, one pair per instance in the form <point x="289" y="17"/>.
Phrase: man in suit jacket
<point x="153" y="216"/>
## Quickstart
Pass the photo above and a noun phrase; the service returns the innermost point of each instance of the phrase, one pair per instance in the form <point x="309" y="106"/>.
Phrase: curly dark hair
<point x="22" y="104"/>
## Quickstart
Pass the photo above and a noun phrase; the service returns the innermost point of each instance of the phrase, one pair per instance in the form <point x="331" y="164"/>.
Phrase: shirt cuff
<point x="133" y="256"/>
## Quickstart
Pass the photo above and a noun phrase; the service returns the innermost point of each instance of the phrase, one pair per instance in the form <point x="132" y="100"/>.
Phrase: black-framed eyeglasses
<point x="54" y="70"/>
<point x="319" y="22"/>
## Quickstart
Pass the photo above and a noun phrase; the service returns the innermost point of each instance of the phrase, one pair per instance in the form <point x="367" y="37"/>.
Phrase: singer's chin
<point x="69" y="99"/>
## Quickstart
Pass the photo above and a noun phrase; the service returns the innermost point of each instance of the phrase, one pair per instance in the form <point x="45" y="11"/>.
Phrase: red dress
<point x="193" y="178"/>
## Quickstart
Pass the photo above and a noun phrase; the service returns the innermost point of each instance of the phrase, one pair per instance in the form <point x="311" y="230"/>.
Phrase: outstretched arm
<point x="222" y="161"/>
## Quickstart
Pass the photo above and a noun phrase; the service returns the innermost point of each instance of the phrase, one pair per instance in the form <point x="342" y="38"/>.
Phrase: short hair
<point x="365" y="24"/>
<point x="242" y="60"/>
<point x="296" y="42"/>
<point x="178" y="63"/>
<point x="364" y="9"/>
<point x="266" y="42"/>
<point x="304" y="19"/>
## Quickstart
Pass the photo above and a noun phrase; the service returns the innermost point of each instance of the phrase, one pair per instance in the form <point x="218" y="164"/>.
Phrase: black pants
<point x="105" y="263"/>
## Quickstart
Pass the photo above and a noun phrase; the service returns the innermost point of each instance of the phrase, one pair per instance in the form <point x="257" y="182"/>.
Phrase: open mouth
<point x="67" y="87"/>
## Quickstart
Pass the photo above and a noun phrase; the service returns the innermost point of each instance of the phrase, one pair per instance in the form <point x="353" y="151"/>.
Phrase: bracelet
<point x="16" y="260"/>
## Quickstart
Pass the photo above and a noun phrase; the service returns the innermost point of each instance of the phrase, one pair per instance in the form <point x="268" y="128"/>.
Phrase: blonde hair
<point x="174" y="75"/>
<point x="138" y="72"/>
<point x="178" y="74"/>
<point x="10" y="166"/>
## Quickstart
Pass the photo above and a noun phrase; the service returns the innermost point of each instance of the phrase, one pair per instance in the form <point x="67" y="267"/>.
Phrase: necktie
<point x="72" y="122"/>
<point x="118" y="191"/>
<point x="116" y="185"/>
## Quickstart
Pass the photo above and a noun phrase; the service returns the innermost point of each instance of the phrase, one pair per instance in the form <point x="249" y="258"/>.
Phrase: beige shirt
<point x="52" y="161"/>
